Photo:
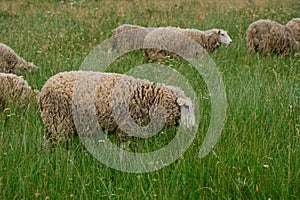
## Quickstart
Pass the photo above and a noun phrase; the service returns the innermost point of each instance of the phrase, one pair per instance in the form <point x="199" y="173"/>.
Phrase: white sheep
<point x="10" y="62"/>
<point x="294" y="25"/>
<point x="67" y="90"/>
<point x="15" y="89"/>
<point x="210" y="40"/>
<point x="270" y="36"/>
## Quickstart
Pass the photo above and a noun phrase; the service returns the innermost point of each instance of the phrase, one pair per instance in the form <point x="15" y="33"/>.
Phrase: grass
<point x="257" y="156"/>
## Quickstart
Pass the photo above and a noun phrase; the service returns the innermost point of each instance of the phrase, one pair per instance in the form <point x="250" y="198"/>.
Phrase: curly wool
<point x="14" y="88"/>
<point x="294" y="25"/>
<point x="10" y="62"/>
<point x="112" y="91"/>
<point x="270" y="36"/>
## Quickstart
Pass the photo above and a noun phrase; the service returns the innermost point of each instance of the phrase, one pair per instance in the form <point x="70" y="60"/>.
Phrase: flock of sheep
<point x="145" y="98"/>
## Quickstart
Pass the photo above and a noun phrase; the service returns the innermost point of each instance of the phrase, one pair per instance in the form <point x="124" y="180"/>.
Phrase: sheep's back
<point x="125" y="27"/>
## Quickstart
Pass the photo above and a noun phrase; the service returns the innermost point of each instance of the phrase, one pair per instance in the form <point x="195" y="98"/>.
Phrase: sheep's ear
<point x="32" y="67"/>
<point x="219" y="32"/>
<point x="180" y="101"/>
<point x="183" y="102"/>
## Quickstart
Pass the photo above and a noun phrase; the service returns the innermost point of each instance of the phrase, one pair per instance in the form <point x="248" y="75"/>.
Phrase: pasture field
<point x="257" y="155"/>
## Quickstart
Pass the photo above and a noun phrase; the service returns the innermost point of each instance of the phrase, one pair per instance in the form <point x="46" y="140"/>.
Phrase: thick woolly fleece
<point x="145" y="100"/>
<point x="10" y="62"/>
<point x="270" y="36"/>
<point x="15" y="89"/>
<point x="209" y="41"/>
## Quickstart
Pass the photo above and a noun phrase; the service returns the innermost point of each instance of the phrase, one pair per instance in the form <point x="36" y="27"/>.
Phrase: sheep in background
<point x="294" y="25"/>
<point x="270" y="36"/>
<point x="15" y="89"/>
<point x="10" y="62"/>
<point x="210" y="40"/>
<point x="145" y="99"/>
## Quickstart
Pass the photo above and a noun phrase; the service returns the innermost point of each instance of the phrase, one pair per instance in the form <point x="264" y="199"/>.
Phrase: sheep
<point x="60" y="96"/>
<point x="294" y="25"/>
<point x="270" y="36"/>
<point x="15" y="89"/>
<point x="10" y="62"/>
<point x="210" y="40"/>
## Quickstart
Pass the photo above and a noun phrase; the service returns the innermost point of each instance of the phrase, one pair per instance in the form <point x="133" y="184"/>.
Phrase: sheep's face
<point x="31" y="67"/>
<point x="224" y="37"/>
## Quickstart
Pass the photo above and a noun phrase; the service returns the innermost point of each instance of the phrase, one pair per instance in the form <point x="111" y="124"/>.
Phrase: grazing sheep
<point x="210" y="40"/>
<point x="10" y="62"/>
<point x="270" y="36"/>
<point x="14" y="88"/>
<point x="294" y="25"/>
<point x="144" y="99"/>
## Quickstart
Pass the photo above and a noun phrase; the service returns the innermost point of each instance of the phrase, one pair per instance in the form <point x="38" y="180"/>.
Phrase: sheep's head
<point x="187" y="112"/>
<point x="23" y="66"/>
<point x="32" y="67"/>
<point x="224" y="37"/>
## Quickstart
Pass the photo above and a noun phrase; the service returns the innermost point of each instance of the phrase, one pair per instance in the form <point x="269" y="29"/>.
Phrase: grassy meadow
<point x="257" y="155"/>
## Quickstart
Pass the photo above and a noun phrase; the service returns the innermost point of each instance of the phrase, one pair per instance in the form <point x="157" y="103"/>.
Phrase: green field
<point x="257" y="155"/>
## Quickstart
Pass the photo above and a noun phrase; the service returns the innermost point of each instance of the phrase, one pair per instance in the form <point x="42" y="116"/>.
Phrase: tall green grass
<point x="257" y="156"/>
